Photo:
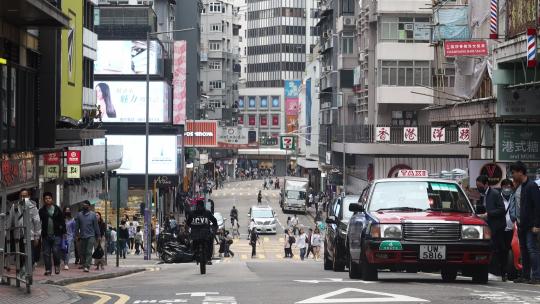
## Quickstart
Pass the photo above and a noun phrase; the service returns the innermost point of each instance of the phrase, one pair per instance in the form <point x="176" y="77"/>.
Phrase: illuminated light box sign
<point x="126" y="57"/>
<point x="125" y="101"/>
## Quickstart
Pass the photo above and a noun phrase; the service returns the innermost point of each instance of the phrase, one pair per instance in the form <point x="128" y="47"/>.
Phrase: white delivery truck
<point x="294" y="194"/>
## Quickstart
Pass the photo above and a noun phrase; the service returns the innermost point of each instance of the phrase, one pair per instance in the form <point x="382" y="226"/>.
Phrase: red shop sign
<point x="74" y="157"/>
<point x="52" y="158"/>
<point x="465" y="48"/>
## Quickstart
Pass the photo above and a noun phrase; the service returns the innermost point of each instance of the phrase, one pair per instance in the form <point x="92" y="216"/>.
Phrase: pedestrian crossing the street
<point x="268" y="248"/>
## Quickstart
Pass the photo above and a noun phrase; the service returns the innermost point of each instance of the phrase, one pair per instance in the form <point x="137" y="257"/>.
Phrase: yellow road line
<point x="261" y="256"/>
<point x="103" y="299"/>
<point x="243" y="257"/>
<point x="122" y="298"/>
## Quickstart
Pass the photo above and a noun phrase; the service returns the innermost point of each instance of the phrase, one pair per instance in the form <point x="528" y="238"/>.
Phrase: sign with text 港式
<point x="518" y="142"/>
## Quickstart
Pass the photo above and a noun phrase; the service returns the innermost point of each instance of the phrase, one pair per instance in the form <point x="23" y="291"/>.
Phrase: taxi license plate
<point x="432" y="252"/>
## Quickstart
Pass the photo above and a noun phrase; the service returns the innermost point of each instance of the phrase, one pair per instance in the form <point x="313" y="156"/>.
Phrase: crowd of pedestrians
<point x="306" y="243"/>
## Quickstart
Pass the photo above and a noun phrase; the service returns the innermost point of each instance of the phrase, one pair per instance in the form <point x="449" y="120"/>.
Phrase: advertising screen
<point x="125" y="101"/>
<point x="126" y="57"/>
<point x="161" y="153"/>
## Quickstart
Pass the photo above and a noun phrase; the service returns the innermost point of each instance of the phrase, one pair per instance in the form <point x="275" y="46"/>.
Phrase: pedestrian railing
<point x="13" y="239"/>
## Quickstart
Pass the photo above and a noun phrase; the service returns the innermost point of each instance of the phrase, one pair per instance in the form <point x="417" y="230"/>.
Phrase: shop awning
<point x="32" y="13"/>
<point x="307" y="163"/>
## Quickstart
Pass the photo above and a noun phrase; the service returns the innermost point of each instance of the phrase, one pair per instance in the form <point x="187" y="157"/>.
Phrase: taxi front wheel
<point x="369" y="271"/>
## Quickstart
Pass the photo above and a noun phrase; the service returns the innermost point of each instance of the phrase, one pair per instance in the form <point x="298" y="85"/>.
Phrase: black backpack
<point x="292" y="240"/>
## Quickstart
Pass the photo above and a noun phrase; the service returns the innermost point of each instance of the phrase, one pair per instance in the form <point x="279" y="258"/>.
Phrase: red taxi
<point x="417" y="224"/>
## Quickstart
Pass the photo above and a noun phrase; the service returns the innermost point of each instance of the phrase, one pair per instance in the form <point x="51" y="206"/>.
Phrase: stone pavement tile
<point x="74" y="274"/>
<point x="40" y="294"/>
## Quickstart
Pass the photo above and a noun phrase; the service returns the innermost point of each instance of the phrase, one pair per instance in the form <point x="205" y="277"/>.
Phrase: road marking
<point x="333" y="280"/>
<point x="266" y="239"/>
<point x="243" y="256"/>
<point x="160" y="301"/>
<point x="102" y="298"/>
<point x="219" y="300"/>
<point x="122" y="298"/>
<point x="384" y="297"/>
<point x="261" y="256"/>
<point x="198" y="293"/>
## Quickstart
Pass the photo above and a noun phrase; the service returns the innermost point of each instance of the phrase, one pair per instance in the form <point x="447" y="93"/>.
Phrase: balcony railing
<point x="367" y="134"/>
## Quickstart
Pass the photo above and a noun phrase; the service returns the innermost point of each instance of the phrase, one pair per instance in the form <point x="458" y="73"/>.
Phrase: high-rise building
<point x="280" y="35"/>
<point x="220" y="61"/>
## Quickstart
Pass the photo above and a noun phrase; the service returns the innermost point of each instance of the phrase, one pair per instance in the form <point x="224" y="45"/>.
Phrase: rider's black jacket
<point x="199" y="222"/>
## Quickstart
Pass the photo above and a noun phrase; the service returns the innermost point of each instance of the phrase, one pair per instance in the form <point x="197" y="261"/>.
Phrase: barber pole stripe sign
<point x="493" y="21"/>
<point x="531" y="47"/>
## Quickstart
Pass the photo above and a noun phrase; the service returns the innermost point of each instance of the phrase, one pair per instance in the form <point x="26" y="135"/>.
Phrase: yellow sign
<point x="52" y="171"/>
<point x="72" y="61"/>
<point x="3" y="60"/>
<point x="74" y="171"/>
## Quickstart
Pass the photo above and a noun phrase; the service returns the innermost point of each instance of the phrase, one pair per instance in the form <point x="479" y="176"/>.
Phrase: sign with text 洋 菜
<point x="518" y="142"/>
<point x="287" y="143"/>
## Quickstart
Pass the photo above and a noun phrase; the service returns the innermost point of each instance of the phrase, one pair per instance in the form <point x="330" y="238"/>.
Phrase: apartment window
<point x="241" y="120"/>
<point x="404" y="118"/>
<point x="251" y="102"/>
<point x="251" y="120"/>
<point x="405" y="73"/>
<point x="275" y="102"/>
<point x="275" y="120"/>
<point x="264" y="102"/>
<point x="405" y="29"/>
<point x="214" y="103"/>
<point x="347" y="43"/>
<point x="241" y="102"/>
<point x="216" y="27"/>
<point x="214" y="7"/>
<point x="214" y="65"/>
<point x="214" y="45"/>
<point x="347" y="7"/>
<point x="263" y="120"/>
<point x="215" y="84"/>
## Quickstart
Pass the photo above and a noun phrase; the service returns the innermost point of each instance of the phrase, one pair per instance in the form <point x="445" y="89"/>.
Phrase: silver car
<point x="264" y="218"/>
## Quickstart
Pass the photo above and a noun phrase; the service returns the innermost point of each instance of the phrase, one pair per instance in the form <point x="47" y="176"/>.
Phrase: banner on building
<point x="292" y="91"/>
<point x="201" y="133"/>
<point x="522" y="102"/>
<point x="309" y="104"/>
<point x="517" y="142"/>
<point x="452" y="23"/>
<point x="237" y="137"/>
<point x="465" y="48"/>
<point x="521" y="16"/>
<point x="179" y="82"/>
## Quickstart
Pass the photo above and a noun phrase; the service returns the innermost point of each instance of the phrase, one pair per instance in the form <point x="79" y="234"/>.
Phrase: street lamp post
<point x="147" y="211"/>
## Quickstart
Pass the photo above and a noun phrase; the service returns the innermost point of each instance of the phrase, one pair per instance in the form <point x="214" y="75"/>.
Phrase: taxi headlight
<point x="392" y="231"/>
<point x="472" y="232"/>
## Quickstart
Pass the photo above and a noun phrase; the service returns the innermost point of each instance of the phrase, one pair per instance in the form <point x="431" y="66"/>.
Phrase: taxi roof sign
<point x="3" y="61"/>
<point x="412" y="173"/>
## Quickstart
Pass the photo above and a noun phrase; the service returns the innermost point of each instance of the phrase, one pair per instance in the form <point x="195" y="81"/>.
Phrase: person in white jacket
<point x="15" y="219"/>
<point x="301" y="243"/>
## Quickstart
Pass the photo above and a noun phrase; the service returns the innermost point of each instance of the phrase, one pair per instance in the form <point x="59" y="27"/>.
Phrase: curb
<point x="67" y="281"/>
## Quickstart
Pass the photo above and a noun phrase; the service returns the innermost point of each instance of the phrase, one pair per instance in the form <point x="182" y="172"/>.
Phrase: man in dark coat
<point x="492" y="200"/>
<point x="527" y="197"/>
<point x="53" y="230"/>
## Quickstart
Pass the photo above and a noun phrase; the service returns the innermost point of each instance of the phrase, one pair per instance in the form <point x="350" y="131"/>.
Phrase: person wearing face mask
<point x="70" y="237"/>
<point x="87" y="229"/>
<point x="507" y="193"/>
<point x="492" y="200"/>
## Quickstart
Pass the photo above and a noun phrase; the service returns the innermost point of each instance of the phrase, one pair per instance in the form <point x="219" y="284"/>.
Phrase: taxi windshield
<point x="418" y="196"/>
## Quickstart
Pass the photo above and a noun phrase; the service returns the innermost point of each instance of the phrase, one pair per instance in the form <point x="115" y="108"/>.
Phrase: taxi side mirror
<point x="331" y="219"/>
<point x="356" y="208"/>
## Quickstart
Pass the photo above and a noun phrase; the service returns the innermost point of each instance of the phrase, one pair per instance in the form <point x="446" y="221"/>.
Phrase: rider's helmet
<point x="200" y="205"/>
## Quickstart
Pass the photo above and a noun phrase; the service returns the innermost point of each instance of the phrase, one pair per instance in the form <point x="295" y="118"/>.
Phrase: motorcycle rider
<point x="199" y="222"/>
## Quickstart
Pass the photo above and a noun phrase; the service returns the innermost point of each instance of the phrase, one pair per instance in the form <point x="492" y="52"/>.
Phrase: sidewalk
<point x="132" y="264"/>
<point x="41" y="293"/>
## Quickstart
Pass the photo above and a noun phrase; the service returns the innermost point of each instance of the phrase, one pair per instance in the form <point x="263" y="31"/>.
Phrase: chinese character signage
<point x="52" y="171"/>
<point x="438" y="134"/>
<point x="465" y="48"/>
<point x="17" y="169"/>
<point x="464" y="134"/>
<point x="410" y="134"/>
<point x="519" y="102"/>
<point x="73" y="171"/>
<point x="74" y="157"/>
<point x="518" y="142"/>
<point x="52" y="158"/>
<point x="382" y="134"/>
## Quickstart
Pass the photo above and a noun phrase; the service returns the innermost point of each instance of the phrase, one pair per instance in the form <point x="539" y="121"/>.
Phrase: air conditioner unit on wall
<point x="348" y="20"/>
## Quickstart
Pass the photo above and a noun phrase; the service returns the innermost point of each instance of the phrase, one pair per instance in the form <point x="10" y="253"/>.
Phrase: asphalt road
<point x="270" y="279"/>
